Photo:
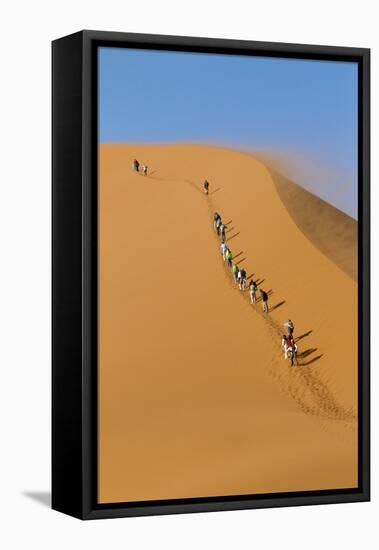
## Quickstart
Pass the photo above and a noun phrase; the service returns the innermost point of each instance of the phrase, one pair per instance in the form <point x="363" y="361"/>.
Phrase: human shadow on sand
<point x="277" y="305"/>
<point x="311" y="360"/>
<point x="194" y="186"/>
<point x="236" y="255"/>
<point x="306" y="353"/>
<point x="303" y="335"/>
<point x="232" y="237"/>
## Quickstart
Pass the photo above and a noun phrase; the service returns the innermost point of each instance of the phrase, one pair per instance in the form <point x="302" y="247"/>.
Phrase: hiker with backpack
<point x="206" y="187"/>
<point x="223" y="250"/>
<point x="218" y="225"/>
<point x="290" y="327"/>
<point x="222" y="231"/>
<point x="135" y="165"/>
<point x="144" y="169"/>
<point x="216" y="217"/>
<point x="253" y="291"/>
<point x="264" y="297"/>
<point x="229" y="257"/>
<point x="235" y="272"/>
<point x="292" y="350"/>
<point x="242" y="279"/>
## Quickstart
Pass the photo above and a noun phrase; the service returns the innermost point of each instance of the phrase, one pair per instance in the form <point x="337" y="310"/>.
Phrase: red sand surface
<point x="195" y="397"/>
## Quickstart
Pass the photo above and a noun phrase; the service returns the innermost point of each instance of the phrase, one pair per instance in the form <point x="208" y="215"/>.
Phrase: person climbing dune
<point x="235" y="271"/>
<point x="218" y="225"/>
<point x="292" y="350"/>
<point x="229" y="257"/>
<point x="242" y="279"/>
<point x="253" y="291"/>
<point x="223" y="250"/>
<point x="135" y="165"/>
<point x="216" y="217"/>
<point x="222" y="231"/>
<point x="290" y="327"/>
<point x="206" y="187"/>
<point x="264" y="297"/>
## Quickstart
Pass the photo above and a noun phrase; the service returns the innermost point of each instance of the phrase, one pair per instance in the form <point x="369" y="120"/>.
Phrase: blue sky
<point x="302" y="113"/>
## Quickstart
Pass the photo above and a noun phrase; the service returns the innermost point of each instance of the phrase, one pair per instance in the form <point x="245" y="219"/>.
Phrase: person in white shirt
<point x="223" y="250"/>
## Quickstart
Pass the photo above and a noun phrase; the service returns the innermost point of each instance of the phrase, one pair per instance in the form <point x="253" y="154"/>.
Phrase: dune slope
<point x="195" y="398"/>
<point x="332" y="231"/>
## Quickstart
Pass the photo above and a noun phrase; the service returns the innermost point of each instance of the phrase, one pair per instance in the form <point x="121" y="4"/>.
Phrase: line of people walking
<point x="220" y="227"/>
<point x="239" y="274"/>
<point x="240" y="278"/>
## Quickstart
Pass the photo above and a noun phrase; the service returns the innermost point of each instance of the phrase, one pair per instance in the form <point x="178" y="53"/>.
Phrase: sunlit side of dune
<point x="195" y="398"/>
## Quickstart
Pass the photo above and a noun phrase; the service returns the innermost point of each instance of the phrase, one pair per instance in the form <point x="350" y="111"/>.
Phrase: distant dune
<point x="195" y="397"/>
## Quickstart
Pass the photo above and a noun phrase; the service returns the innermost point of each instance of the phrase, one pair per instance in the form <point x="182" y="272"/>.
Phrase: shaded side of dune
<point x="332" y="231"/>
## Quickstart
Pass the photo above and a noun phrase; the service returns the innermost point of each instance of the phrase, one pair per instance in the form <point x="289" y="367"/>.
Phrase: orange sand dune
<point x="195" y="398"/>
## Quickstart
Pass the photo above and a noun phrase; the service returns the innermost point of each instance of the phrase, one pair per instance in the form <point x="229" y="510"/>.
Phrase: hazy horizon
<point x="300" y="113"/>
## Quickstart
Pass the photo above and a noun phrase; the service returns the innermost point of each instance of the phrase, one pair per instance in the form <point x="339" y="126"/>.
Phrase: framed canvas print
<point x="210" y="275"/>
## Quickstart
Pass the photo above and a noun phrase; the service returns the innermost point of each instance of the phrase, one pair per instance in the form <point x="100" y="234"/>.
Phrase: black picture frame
<point x="74" y="274"/>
